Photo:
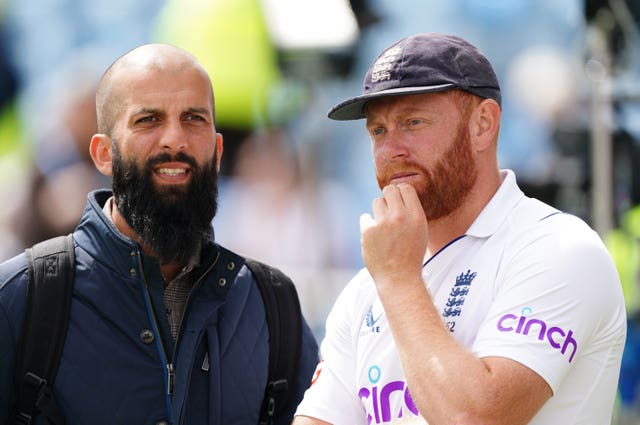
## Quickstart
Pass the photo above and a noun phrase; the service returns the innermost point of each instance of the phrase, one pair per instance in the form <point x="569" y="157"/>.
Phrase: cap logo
<point x="381" y="70"/>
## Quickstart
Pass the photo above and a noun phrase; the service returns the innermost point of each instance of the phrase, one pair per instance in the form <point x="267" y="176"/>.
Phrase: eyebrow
<point x="147" y="110"/>
<point x="199" y="110"/>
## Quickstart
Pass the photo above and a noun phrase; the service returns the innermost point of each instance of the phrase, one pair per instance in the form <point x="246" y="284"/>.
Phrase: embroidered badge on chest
<point x="457" y="296"/>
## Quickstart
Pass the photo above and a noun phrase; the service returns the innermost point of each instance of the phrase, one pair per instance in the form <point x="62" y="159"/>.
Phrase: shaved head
<point x="145" y="60"/>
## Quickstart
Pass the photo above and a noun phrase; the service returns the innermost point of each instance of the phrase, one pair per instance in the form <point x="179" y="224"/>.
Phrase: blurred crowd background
<point x="293" y="182"/>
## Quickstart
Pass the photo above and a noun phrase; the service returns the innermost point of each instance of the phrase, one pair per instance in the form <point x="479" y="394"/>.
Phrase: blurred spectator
<point x="275" y="208"/>
<point x="47" y="203"/>
<point x="295" y="219"/>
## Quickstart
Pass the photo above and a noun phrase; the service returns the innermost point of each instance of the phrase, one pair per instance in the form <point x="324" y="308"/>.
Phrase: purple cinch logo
<point x="523" y="325"/>
<point x="380" y="397"/>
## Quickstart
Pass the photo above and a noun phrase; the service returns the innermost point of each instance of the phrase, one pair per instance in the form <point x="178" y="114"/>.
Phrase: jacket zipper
<point x="171" y="376"/>
<point x="168" y="363"/>
<point x="186" y="304"/>
<point x="168" y="366"/>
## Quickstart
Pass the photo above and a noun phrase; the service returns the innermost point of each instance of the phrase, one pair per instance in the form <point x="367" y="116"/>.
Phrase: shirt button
<point x="146" y="336"/>
<point x="133" y="272"/>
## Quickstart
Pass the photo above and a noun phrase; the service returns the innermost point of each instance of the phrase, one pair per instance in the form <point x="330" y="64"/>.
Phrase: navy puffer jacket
<point x="116" y="363"/>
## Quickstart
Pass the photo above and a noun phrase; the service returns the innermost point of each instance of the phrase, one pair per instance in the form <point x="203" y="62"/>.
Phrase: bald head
<point x="143" y="61"/>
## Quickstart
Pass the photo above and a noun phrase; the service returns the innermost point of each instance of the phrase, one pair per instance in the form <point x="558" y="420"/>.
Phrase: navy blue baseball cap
<point x="423" y="63"/>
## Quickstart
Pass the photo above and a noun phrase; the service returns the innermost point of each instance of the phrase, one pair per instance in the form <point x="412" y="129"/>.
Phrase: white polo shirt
<point x="525" y="282"/>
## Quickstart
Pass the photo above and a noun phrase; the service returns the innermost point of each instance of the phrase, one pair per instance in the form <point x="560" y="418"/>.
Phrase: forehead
<point x="161" y="85"/>
<point x="434" y="103"/>
<point x="164" y="89"/>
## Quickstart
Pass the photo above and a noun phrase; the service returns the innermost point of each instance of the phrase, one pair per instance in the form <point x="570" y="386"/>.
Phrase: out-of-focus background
<point x="293" y="182"/>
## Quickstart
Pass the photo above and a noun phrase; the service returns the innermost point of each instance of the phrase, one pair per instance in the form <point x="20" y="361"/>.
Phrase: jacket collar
<point x="98" y="236"/>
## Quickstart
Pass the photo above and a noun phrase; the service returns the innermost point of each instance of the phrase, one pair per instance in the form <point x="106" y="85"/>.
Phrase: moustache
<point x="401" y="167"/>
<point x="179" y="157"/>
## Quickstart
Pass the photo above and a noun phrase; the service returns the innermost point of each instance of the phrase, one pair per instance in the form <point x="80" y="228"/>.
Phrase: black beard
<point x="172" y="222"/>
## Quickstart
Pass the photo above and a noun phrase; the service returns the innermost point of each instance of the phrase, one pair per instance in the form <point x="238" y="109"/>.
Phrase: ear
<point x="219" y="150"/>
<point x="100" y="150"/>
<point x="484" y="124"/>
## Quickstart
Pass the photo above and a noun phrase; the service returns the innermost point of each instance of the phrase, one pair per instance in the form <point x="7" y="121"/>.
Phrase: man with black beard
<point x="166" y="325"/>
<point x="173" y="221"/>
<point x="477" y="305"/>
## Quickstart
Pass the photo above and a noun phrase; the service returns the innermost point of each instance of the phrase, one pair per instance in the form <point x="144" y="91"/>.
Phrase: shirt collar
<point x="499" y="207"/>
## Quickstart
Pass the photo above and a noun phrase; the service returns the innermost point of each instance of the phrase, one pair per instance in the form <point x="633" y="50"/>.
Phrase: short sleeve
<point x="332" y="394"/>
<point x="558" y="300"/>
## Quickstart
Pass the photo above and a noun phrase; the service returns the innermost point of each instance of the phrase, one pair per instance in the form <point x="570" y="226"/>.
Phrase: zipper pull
<point x="205" y="363"/>
<point x="170" y="378"/>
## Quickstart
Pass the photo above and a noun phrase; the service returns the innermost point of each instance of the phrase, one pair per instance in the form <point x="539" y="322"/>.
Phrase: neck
<point x="170" y="271"/>
<point x="443" y="230"/>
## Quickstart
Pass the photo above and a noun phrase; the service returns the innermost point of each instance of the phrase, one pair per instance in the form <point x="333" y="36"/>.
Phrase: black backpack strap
<point x="284" y="318"/>
<point x="51" y="270"/>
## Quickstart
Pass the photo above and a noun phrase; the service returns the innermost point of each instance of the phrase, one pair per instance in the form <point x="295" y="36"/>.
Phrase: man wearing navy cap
<point x="478" y="304"/>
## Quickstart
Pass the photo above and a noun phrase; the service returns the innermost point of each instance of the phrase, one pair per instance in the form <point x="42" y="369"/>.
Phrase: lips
<point x="402" y="176"/>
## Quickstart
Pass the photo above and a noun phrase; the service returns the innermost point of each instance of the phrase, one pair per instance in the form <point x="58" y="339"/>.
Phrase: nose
<point x="393" y="146"/>
<point x="173" y="137"/>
